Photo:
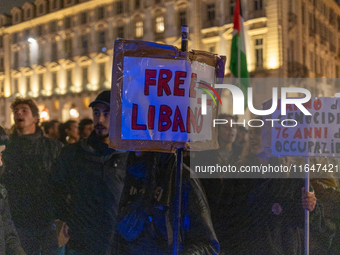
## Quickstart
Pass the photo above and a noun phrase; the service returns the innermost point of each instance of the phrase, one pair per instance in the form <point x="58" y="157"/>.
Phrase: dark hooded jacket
<point x="88" y="183"/>
<point x="147" y="209"/>
<point x="28" y="161"/>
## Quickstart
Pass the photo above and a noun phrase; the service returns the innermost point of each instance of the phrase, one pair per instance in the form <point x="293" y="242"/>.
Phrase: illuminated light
<point x="320" y="95"/>
<point x="74" y="113"/>
<point x="272" y="63"/>
<point x="337" y="95"/>
<point x="44" y="116"/>
<point x="104" y="49"/>
<point x="31" y="40"/>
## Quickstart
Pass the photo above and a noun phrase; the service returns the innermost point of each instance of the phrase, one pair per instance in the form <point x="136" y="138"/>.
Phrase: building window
<point x="15" y="38"/>
<point x="40" y="55"/>
<point x="16" y="60"/>
<point x="28" y="13"/>
<point x="257" y="5"/>
<point x="259" y="52"/>
<point x="211" y="11"/>
<point x="54" y="4"/>
<point x="53" y="26"/>
<point x="120" y="32"/>
<point x="54" y="50"/>
<point x="68" y="47"/>
<point x="139" y="29"/>
<point x="303" y="8"/>
<point x="28" y="83"/>
<point x="85" y="76"/>
<point x="119" y="7"/>
<point x="54" y="81"/>
<point x="311" y="23"/>
<point x="26" y="34"/>
<point x="101" y="13"/>
<point x="321" y="66"/>
<point x="182" y="18"/>
<point x="69" y="1"/>
<point x="160" y="24"/>
<point x="137" y="4"/>
<point x="232" y="7"/>
<point x="40" y="30"/>
<point x="84" y="43"/>
<point x="311" y="59"/>
<point x="16" y="17"/>
<point x="41" y="81"/>
<point x="2" y="91"/>
<point x="83" y="18"/>
<point x="212" y="49"/>
<point x="69" y="77"/>
<point x="304" y="55"/>
<point x="1" y="42"/>
<point x="16" y="85"/>
<point x="41" y="9"/>
<point x="291" y="51"/>
<point x="1" y="64"/>
<point x="157" y="1"/>
<point x="102" y="39"/>
<point x="102" y="78"/>
<point x="28" y="56"/>
<point x="68" y="22"/>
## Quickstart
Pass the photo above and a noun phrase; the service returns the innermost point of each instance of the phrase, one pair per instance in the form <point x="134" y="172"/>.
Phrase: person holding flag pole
<point x="238" y="68"/>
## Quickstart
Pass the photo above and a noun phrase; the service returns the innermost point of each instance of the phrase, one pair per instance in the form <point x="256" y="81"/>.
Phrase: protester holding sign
<point x="270" y="207"/>
<point x="147" y="209"/>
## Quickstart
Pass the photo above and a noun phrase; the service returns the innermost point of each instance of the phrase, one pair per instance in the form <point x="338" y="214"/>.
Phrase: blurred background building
<point x="59" y="52"/>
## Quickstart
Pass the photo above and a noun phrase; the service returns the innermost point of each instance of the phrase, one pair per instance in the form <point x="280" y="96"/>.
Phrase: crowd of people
<point x="70" y="193"/>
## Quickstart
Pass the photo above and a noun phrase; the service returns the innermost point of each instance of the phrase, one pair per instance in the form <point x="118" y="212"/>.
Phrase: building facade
<point x="60" y="52"/>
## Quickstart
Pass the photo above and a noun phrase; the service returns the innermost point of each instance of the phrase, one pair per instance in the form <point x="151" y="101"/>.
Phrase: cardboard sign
<point x="157" y="100"/>
<point x="155" y="103"/>
<point x="312" y="135"/>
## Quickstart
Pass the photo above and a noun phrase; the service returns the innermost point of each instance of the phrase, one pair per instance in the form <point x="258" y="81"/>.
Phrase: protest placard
<point x="155" y="103"/>
<point x="297" y="134"/>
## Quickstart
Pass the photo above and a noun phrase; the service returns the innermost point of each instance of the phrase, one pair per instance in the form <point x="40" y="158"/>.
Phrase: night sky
<point x="7" y="5"/>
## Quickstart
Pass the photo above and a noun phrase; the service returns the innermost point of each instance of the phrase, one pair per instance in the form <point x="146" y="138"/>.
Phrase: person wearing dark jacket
<point x="146" y="216"/>
<point x="27" y="168"/>
<point x="88" y="182"/>
<point x="9" y="239"/>
<point x="266" y="214"/>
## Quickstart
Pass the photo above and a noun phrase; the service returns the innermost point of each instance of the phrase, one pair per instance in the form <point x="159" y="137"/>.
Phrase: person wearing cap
<point x="28" y="160"/>
<point x="88" y="182"/>
<point x="9" y="239"/>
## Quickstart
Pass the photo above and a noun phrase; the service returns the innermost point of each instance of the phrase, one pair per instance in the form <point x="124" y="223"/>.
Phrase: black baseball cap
<point x="103" y="98"/>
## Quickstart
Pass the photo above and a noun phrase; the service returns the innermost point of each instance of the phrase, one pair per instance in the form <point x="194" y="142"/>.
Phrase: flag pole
<point x="239" y="41"/>
<point x="178" y="178"/>
<point x="307" y="184"/>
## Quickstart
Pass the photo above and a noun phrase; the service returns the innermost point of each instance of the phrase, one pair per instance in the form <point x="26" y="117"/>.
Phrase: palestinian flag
<point x="238" y="52"/>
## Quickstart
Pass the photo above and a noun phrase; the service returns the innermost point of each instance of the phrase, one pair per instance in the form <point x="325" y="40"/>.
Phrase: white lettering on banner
<point x="160" y="102"/>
